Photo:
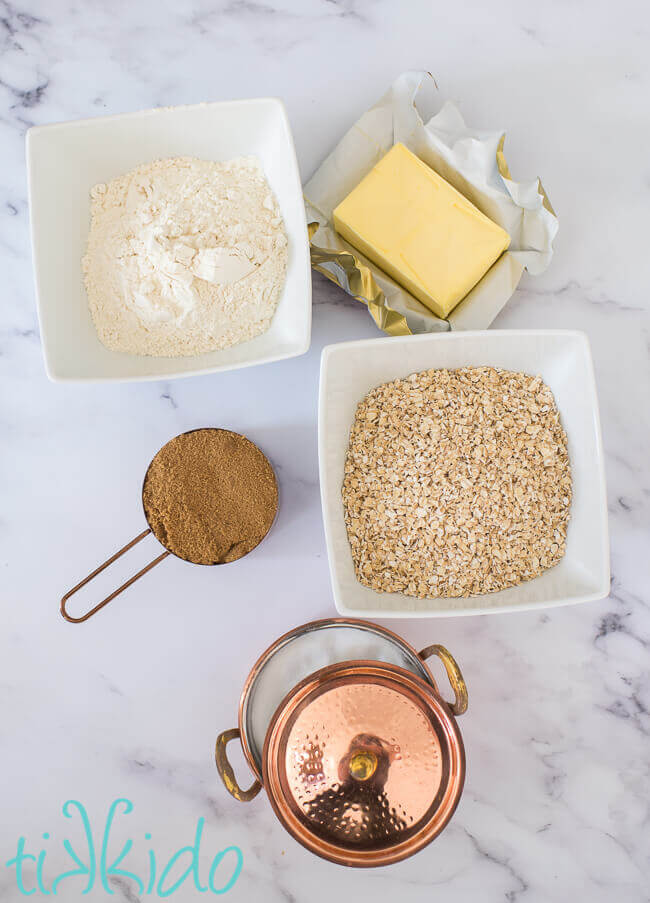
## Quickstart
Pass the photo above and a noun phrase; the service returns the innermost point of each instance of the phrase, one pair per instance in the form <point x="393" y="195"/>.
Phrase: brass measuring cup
<point x="161" y="539"/>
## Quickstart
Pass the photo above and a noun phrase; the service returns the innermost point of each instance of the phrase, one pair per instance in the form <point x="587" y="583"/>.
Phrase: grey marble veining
<point x="558" y="731"/>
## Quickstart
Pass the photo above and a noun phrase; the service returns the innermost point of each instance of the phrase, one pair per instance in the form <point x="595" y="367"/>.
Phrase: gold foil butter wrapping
<point x="473" y="162"/>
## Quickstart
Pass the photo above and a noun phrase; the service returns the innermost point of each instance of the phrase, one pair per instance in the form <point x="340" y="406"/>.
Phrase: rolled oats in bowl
<point x="457" y="483"/>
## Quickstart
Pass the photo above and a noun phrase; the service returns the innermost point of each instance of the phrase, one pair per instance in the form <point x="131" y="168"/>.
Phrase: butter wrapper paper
<point x="473" y="162"/>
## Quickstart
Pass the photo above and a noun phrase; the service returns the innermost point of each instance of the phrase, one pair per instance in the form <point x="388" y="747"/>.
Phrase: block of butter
<point x="411" y="222"/>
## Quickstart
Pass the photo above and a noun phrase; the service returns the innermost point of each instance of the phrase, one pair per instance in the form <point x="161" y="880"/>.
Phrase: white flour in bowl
<point x="184" y="256"/>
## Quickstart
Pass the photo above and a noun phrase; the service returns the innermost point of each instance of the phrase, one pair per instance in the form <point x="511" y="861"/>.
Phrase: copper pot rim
<point x="302" y="628"/>
<point x="416" y="687"/>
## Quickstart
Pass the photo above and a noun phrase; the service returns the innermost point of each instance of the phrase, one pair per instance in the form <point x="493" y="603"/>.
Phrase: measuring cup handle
<point x="456" y="679"/>
<point x="116" y="592"/>
<point x="226" y="773"/>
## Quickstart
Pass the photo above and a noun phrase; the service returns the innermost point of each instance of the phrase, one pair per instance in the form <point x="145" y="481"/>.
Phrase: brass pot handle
<point x="226" y="773"/>
<point x="116" y="592"/>
<point x="456" y="679"/>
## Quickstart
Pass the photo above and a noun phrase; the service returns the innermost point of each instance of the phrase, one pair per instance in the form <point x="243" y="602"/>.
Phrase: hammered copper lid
<point x="363" y="763"/>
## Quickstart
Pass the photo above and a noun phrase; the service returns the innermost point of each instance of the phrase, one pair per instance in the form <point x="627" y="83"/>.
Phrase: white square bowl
<point x="563" y="360"/>
<point x="65" y="160"/>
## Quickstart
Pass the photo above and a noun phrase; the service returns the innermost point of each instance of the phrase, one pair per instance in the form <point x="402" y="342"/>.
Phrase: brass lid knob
<point x="363" y="765"/>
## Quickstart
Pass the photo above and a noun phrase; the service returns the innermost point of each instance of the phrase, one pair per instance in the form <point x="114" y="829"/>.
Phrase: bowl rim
<point x="298" y="347"/>
<point x="150" y="111"/>
<point x="442" y="611"/>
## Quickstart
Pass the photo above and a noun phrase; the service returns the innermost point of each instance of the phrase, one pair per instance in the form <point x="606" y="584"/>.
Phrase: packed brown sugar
<point x="210" y="496"/>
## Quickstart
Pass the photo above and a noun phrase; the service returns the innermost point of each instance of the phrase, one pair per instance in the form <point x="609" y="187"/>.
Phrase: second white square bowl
<point x="66" y="159"/>
<point x="563" y="360"/>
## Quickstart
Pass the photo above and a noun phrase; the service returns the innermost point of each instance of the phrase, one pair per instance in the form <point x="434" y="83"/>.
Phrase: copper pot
<point x="342" y="723"/>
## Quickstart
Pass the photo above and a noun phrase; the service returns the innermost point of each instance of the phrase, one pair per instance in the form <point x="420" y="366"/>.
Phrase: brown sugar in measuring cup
<point x="210" y="496"/>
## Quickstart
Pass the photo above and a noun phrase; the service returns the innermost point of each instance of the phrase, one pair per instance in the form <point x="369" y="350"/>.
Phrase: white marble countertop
<point x="128" y="705"/>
